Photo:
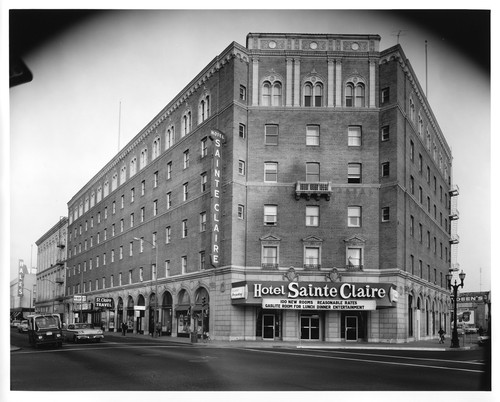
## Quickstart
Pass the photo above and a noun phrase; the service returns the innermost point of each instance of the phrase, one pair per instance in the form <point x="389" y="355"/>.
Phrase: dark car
<point x="44" y="329"/>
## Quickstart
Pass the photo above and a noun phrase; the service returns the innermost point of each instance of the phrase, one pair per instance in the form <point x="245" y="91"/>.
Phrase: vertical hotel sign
<point x="218" y="139"/>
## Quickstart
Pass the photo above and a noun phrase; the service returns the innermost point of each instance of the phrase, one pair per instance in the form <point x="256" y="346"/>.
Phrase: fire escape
<point x="454" y="238"/>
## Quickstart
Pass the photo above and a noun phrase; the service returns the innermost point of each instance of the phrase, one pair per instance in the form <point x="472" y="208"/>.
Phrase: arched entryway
<point x="139" y="313"/>
<point x="183" y="314"/>
<point x="129" y="319"/>
<point x="119" y="313"/>
<point x="201" y="312"/>
<point x="166" y="314"/>
<point x="153" y="307"/>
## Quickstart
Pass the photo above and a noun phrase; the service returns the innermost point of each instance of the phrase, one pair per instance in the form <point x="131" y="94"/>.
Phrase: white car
<point x="80" y="331"/>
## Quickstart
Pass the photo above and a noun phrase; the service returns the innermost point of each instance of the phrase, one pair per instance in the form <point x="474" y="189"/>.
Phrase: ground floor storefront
<point x="235" y="304"/>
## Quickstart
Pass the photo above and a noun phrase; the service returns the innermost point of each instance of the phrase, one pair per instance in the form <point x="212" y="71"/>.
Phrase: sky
<point x="102" y="79"/>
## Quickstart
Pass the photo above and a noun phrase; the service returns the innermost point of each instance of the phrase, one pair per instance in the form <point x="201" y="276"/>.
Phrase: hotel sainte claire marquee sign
<point x="315" y="295"/>
<point x="218" y="139"/>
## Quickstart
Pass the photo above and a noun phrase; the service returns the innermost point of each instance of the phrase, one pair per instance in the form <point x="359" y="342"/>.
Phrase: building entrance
<point x="268" y="326"/>
<point x="309" y="327"/>
<point x="351" y="328"/>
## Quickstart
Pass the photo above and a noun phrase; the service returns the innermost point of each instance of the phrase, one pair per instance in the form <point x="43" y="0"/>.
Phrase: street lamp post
<point x="155" y="319"/>
<point x="455" y="343"/>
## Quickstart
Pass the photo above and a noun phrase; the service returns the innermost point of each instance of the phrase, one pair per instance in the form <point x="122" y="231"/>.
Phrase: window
<point x="130" y="276"/>
<point x="420" y="232"/>
<point x="385" y="214"/>
<point x="143" y="161"/>
<point x="204" y="148"/>
<point x="412" y="225"/>
<point x="203" y="221"/>
<point x="133" y="170"/>
<point x="186" y="159"/>
<point x="168" y="235"/>
<point x="155" y="207"/>
<point x="169" y="200"/>
<point x="242" y="130"/>
<point x="354" y="257"/>
<point x="354" y="173"/>
<point x="203" y="181"/>
<point x="270" y="172"/>
<point x="243" y="92"/>
<point x="143" y="187"/>
<point x="241" y="211"/>
<point x="412" y="264"/>
<point x="204" y="108"/>
<point x="141" y="274"/>
<point x="271" y="93"/>
<point x="185" y="193"/>
<point x="354" y="217"/>
<point x="355" y="94"/>
<point x="167" y="268"/>
<point x="202" y="260"/>
<point x="311" y="257"/>
<point x="184" y="264"/>
<point x="186" y="123"/>
<point x="156" y="148"/>
<point x="169" y="137"/>
<point x="155" y="179"/>
<point x="412" y="150"/>
<point x="269" y="256"/>
<point x="132" y="195"/>
<point x="120" y="253"/>
<point x="184" y="228"/>
<point x="313" y="94"/>
<point x="354" y="136"/>
<point x="121" y="228"/>
<point x="312" y="215"/>
<point x="270" y="215"/>
<point x="384" y="133"/>
<point x="385" y="169"/>
<point x="271" y="134"/>
<point x="241" y="168"/>
<point x="384" y="96"/>
<point x="412" y="185"/>
<point x="312" y="135"/>
<point x="412" y="110"/>
<point x="420" y="163"/>
<point x="420" y="194"/>
<point x="142" y="214"/>
<point x="132" y="220"/>
<point x="312" y="172"/>
<point x="169" y="170"/>
<point x="131" y="249"/>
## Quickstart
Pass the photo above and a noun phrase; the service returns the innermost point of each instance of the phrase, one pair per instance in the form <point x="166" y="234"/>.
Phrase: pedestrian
<point x="124" y="328"/>
<point x="441" y="335"/>
<point x="158" y="329"/>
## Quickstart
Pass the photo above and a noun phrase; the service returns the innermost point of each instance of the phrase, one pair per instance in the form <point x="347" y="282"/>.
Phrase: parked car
<point x="44" y="329"/>
<point x="23" y="326"/>
<point x="80" y="331"/>
<point x="15" y="323"/>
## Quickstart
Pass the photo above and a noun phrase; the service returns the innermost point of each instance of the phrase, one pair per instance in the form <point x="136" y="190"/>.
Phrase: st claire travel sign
<point x="315" y="295"/>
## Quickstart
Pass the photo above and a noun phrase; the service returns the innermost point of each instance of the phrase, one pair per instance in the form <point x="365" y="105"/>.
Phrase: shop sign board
<point x="79" y="299"/>
<point x="322" y="304"/>
<point x="104" y="302"/>
<point x="218" y="139"/>
<point x="315" y="295"/>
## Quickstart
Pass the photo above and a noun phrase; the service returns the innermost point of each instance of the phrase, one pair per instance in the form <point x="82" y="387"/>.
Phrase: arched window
<point x="123" y="174"/>
<point x="106" y="189"/>
<point x="114" y="181"/>
<point x="156" y="148"/>
<point x="355" y="92"/>
<point x="412" y="110"/>
<point x="271" y="93"/>
<point x="204" y="108"/>
<point x="349" y="95"/>
<point x="313" y="94"/>
<point x="169" y="137"/>
<point x="359" y="92"/>
<point x="133" y="166"/>
<point x="186" y="123"/>
<point x="144" y="158"/>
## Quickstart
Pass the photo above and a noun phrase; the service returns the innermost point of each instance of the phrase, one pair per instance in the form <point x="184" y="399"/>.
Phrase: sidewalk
<point x="426" y="345"/>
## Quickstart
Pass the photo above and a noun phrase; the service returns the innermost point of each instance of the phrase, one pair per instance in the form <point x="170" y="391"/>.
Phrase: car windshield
<point x="46" y="322"/>
<point x="83" y="326"/>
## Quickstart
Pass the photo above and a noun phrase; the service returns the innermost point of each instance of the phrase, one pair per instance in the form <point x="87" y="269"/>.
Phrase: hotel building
<point x="298" y="188"/>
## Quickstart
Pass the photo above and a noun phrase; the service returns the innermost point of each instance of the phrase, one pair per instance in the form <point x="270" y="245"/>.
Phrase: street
<point x="135" y="364"/>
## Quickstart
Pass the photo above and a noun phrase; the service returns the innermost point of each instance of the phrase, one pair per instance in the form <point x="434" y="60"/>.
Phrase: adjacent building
<point x="298" y="188"/>
<point x="51" y="259"/>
